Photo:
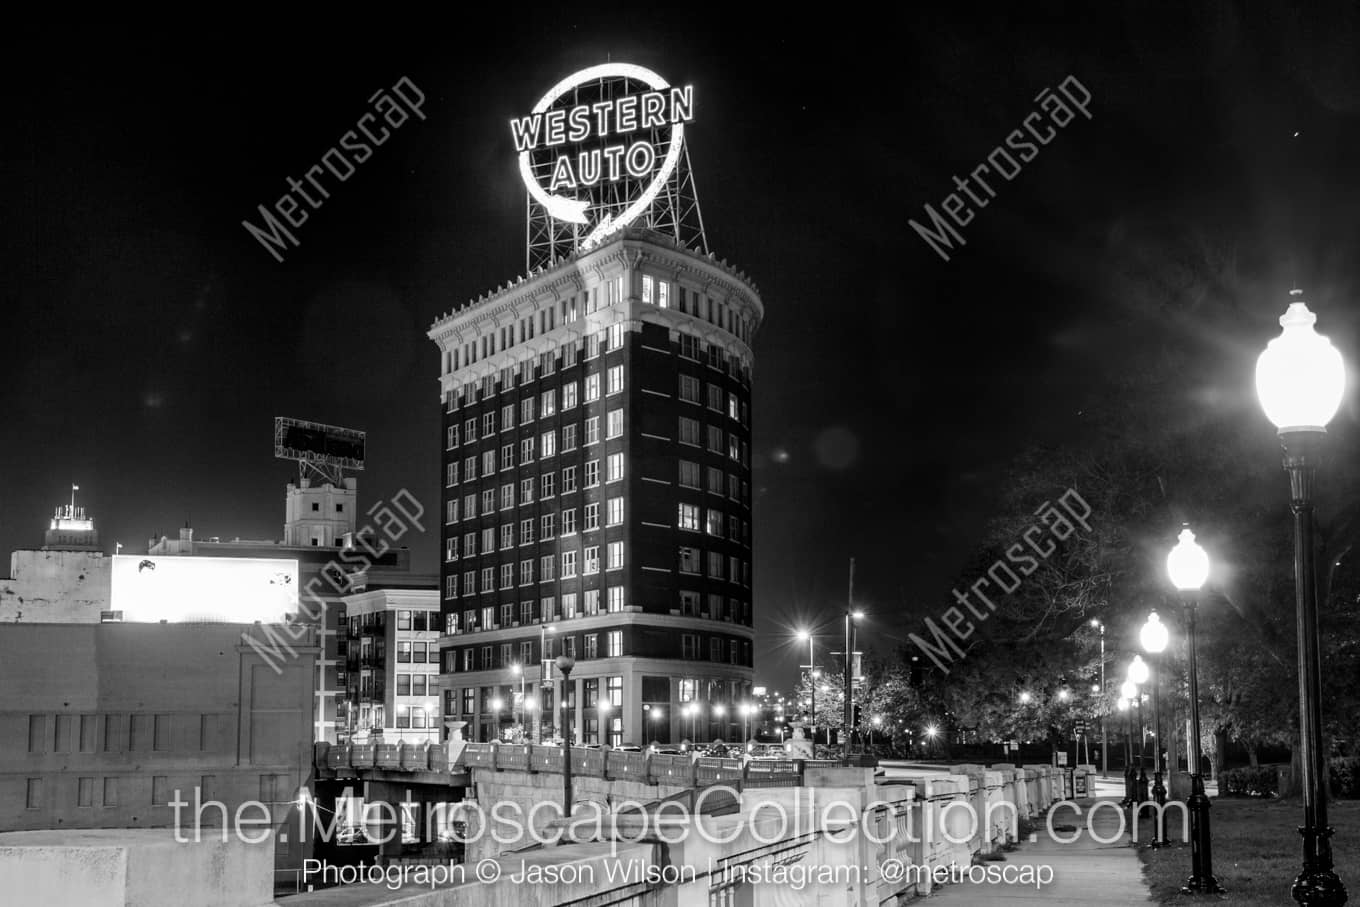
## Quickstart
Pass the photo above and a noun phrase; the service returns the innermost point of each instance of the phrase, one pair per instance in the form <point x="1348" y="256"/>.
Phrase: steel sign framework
<point x="572" y="206"/>
<point x="326" y="450"/>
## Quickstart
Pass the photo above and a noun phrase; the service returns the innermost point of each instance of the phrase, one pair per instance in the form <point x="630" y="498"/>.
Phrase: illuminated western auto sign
<point x="602" y="143"/>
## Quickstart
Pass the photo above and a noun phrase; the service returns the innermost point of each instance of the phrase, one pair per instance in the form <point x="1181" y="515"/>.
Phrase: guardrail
<point x="615" y="765"/>
<point x="588" y="762"/>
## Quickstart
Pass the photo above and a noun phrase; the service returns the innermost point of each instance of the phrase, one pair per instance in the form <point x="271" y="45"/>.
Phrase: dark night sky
<point x="150" y="340"/>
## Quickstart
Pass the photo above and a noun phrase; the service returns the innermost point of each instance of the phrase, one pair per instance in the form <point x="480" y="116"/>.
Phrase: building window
<point x="34" y="797"/>
<point x="488" y="500"/>
<point x="451" y="475"/>
<point x="569" y="479"/>
<point x="615" y="427"/>
<point x="689" y="560"/>
<point x="469" y="506"/>
<point x="110" y="797"/>
<point x="615" y="599"/>
<point x="546" y="526"/>
<point x="547" y="444"/>
<point x="547" y="614"/>
<point x="715" y="649"/>
<point x="547" y="485"/>
<point x="526" y="530"/>
<point x="592" y="516"/>
<point x="592" y="388"/>
<point x="526" y="408"/>
<point x="689" y="603"/>
<point x="614" y="648"/>
<point x="689" y="650"/>
<point x="592" y="646"/>
<point x="569" y="395"/>
<point x="526" y="491"/>
<point x="488" y="540"/>
<point x="614" y="468"/>
<point x="488" y="579"/>
<point x="568" y="564"/>
<point x="592" y="430"/>
<point x="614" y="515"/>
<point x="507" y="495"/>
<point x="614" y="380"/>
<point x="592" y="473"/>
<point x="526" y="450"/>
<point x="507" y="417"/>
<point x="569" y="606"/>
<point x="614" y="558"/>
<point x="569" y="521"/>
<point x="508" y="456"/>
<point x="689" y="389"/>
<point x="715" y="523"/>
<point x="545" y="565"/>
<point x="648" y="289"/>
<point x="403" y="684"/>
<point x="688" y="517"/>
<point x="592" y="561"/>
<point x="488" y="425"/>
<point x="403" y="620"/>
<point x="526" y="572"/>
<point x="715" y="564"/>
<point x="85" y="792"/>
<point x="715" y="439"/>
<point x="616" y="336"/>
<point x="507" y="576"/>
<point x="689" y="431"/>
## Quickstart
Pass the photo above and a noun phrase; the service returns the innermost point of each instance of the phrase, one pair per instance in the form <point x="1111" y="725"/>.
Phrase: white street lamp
<point x="1300" y="379"/>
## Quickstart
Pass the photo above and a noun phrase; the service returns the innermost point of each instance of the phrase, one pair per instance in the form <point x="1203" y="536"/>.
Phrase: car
<point x="628" y="748"/>
<point x="769" y="751"/>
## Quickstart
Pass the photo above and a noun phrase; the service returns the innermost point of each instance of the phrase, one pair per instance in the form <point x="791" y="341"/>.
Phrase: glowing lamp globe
<point x="1154" y="635"/>
<point x="1128" y="690"/>
<point x="1300" y="377"/>
<point x="1123" y="705"/>
<point x="1188" y="563"/>
<point x="1138" y="670"/>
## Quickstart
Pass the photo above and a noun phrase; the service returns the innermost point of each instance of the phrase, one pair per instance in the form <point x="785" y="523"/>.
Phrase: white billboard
<point x="238" y="590"/>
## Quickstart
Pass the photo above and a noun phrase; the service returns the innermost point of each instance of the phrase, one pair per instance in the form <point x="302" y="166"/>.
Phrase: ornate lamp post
<point x="1188" y="565"/>
<point x="1138" y="673"/>
<point x="1130" y="691"/>
<point x="564" y="664"/>
<point x="1300" y="379"/>
<point x="1154" y="637"/>
<point x="1128" y="745"/>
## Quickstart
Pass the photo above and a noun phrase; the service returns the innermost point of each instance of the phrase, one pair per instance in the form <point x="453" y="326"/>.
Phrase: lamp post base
<point x="1202" y="885"/>
<point x="1318" y="888"/>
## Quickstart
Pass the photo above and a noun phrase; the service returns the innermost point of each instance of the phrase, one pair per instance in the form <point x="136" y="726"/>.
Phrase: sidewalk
<point x="1085" y="872"/>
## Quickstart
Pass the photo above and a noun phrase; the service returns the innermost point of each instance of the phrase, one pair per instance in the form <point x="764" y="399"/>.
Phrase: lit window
<point x="614" y="648"/>
<point x="568" y="564"/>
<point x="451" y="437"/>
<point x="549" y="403"/>
<point x="547" y="445"/>
<point x="488" y="500"/>
<point x="614" y="514"/>
<point x="569" y="480"/>
<point x="715" y="523"/>
<point x="526" y="491"/>
<point x="688" y="517"/>
<point x="526" y="572"/>
<point x="615" y="599"/>
<point x="592" y="388"/>
<point x="615" y="556"/>
<point x="592" y="473"/>
<point x="648" y="289"/>
<point x="615" y="428"/>
<point x="507" y="535"/>
<point x="488" y="425"/>
<point x="614" y="380"/>
<point x="593" y="430"/>
<point x="488" y="462"/>
<point x="526" y="408"/>
<point x="592" y="600"/>
<point x="663" y="294"/>
<point x="689" y="474"/>
<point x="616" y="336"/>
<point x="507" y="496"/>
<point x="545" y="571"/>
<point x="507" y="575"/>
<point x="614" y="468"/>
<point x="507" y="417"/>
<point x="569" y="395"/>
<point x="569" y="437"/>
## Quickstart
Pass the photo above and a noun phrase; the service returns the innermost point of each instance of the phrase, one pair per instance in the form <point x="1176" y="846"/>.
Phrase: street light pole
<point x="1300" y="379"/>
<point x="1154" y="638"/>
<point x="564" y="664"/>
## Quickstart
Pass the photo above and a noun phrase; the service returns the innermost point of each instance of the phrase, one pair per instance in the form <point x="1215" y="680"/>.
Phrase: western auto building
<point x="597" y="498"/>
